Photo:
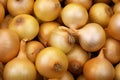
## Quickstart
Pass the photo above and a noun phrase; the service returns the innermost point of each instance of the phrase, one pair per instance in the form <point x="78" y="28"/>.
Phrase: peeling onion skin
<point x="112" y="50"/>
<point x="117" y="72"/>
<point x="99" y="68"/>
<point x="113" y="28"/>
<point x="92" y="37"/>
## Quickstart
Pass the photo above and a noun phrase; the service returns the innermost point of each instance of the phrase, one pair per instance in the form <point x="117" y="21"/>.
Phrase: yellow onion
<point x="9" y="45"/>
<point x="2" y="12"/>
<point x="116" y="7"/>
<point x="61" y="39"/>
<point x="20" y="68"/>
<point x="112" y="50"/>
<point x="113" y="28"/>
<point x="51" y="62"/>
<point x="99" y="68"/>
<point x="117" y="72"/>
<point x="25" y="25"/>
<point x="77" y="57"/>
<point x="32" y="49"/>
<point x="74" y="15"/>
<point x="45" y="30"/>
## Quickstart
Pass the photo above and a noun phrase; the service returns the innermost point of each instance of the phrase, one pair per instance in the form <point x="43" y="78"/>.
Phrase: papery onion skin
<point x="9" y="45"/>
<point x="25" y="25"/>
<point x="99" y="68"/>
<point x="74" y="15"/>
<point x="92" y="37"/>
<point x="61" y="39"/>
<point x="112" y="50"/>
<point x="113" y="28"/>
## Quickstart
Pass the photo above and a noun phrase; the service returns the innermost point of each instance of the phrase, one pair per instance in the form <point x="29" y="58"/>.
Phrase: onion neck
<point x="22" y="51"/>
<point x="101" y="54"/>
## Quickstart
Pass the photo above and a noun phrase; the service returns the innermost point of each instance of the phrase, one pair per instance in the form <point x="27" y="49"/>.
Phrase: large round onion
<point x="9" y="45"/>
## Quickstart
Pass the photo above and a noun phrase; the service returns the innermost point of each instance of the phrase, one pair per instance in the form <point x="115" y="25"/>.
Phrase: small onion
<point x="77" y="57"/>
<point x="117" y="72"/>
<point x="61" y="39"/>
<point x="99" y="68"/>
<point x="32" y="49"/>
<point x="45" y="30"/>
<point x="112" y="50"/>
<point x="9" y="45"/>
<point x="20" y="68"/>
<point x="113" y="28"/>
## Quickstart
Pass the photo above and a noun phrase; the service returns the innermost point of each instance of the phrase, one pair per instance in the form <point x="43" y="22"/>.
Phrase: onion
<point x="113" y="28"/>
<point x="117" y="72"/>
<point x="16" y="7"/>
<point x="100" y="13"/>
<point x="112" y="50"/>
<point x="4" y="3"/>
<point x="47" y="10"/>
<point x="61" y="39"/>
<point x="9" y="45"/>
<point x="51" y="62"/>
<point x="45" y="30"/>
<point x="116" y="7"/>
<point x="74" y="15"/>
<point x="25" y="25"/>
<point x="99" y="68"/>
<point x="77" y="57"/>
<point x="1" y="70"/>
<point x="20" y="68"/>
<point x="86" y="3"/>
<point x="92" y="37"/>
<point x="32" y="49"/>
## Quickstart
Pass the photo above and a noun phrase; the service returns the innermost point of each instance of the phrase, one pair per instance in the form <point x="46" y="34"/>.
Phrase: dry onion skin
<point x="25" y="25"/>
<point x="86" y="3"/>
<point x="9" y="45"/>
<point x="45" y="30"/>
<point x="92" y="37"/>
<point x="113" y="28"/>
<point x="61" y="39"/>
<point x="99" y="68"/>
<point x="33" y="48"/>
<point x="74" y="15"/>
<point x="100" y="13"/>
<point x="47" y="10"/>
<point x="20" y="68"/>
<point x="51" y="62"/>
<point x="112" y="50"/>
<point x="16" y="7"/>
<point x="2" y="12"/>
